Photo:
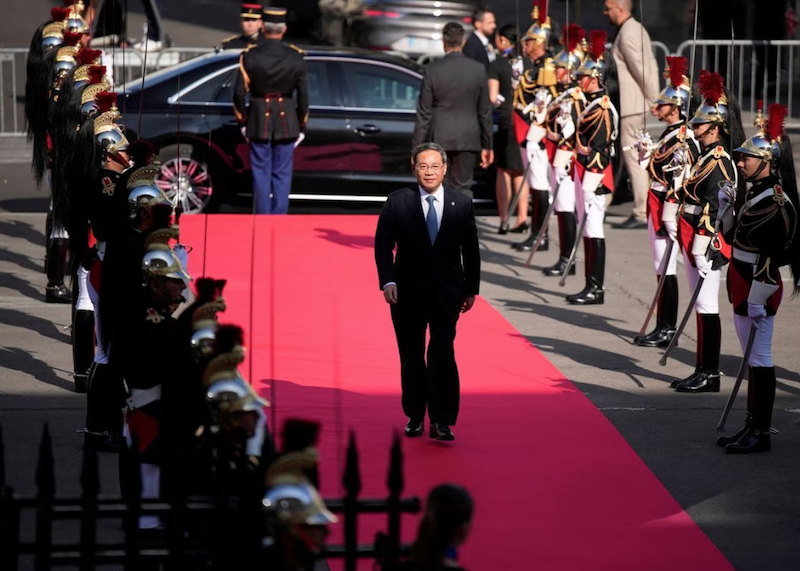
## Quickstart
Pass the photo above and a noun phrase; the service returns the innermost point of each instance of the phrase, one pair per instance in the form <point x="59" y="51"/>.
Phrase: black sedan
<point x="363" y="107"/>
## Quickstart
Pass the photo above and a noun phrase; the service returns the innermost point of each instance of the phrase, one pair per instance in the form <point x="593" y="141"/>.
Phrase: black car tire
<point x="196" y="171"/>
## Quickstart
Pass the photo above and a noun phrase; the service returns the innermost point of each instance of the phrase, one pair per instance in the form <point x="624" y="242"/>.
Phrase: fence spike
<point x="2" y="461"/>
<point x="45" y="469"/>
<point x="395" y="479"/>
<point x="352" y="475"/>
<point x="90" y="476"/>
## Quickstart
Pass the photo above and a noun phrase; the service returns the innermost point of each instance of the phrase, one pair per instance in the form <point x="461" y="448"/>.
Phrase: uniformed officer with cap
<point x="272" y="73"/>
<point x="251" y="29"/>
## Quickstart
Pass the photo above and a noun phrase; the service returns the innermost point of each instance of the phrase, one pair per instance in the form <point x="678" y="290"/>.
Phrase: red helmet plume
<point x="573" y="35"/>
<point x="88" y="56"/>
<point x="677" y="69"/>
<point x="72" y="38"/>
<point x="711" y="86"/>
<point x="96" y="73"/>
<point x="776" y="120"/>
<point x="542" y="14"/>
<point x="141" y="152"/>
<point x="59" y="14"/>
<point x="105" y="101"/>
<point x="597" y="44"/>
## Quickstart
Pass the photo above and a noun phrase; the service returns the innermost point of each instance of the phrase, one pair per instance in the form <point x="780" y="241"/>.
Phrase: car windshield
<point x="182" y="68"/>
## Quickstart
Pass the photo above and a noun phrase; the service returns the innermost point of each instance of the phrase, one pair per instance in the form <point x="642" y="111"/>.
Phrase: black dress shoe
<point x="57" y="294"/>
<point x="521" y="227"/>
<point x="688" y="379"/>
<point x="591" y="295"/>
<point x="527" y="245"/>
<point x="441" y="431"/>
<point x="725" y="440"/>
<point x="414" y="428"/>
<point x="753" y="440"/>
<point x="657" y="338"/>
<point x="557" y="269"/>
<point x="631" y="223"/>
<point x="705" y="382"/>
<point x="503" y="228"/>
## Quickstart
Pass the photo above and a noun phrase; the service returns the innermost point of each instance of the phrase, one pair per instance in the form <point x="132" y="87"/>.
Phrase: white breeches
<point x="84" y="302"/>
<point x="562" y="165"/>
<point x="708" y="300"/>
<point x="99" y="355"/>
<point x="659" y="246"/>
<point x="538" y="178"/>
<point x="761" y="353"/>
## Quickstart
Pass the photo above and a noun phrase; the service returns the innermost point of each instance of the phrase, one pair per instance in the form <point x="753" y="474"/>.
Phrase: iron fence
<point x="29" y="526"/>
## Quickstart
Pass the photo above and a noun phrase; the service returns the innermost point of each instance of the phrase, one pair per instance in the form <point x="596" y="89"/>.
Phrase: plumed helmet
<point x="297" y="504"/>
<point x="234" y="394"/>
<point x="160" y="260"/>
<point x="97" y="84"/>
<point x="715" y="105"/>
<point x="594" y="65"/>
<point x="571" y="57"/>
<point x="204" y="325"/>
<point x="86" y="58"/>
<point x="75" y="21"/>
<point x="65" y="61"/>
<point x="766" y="144"/>
<point x="107" y="134"/>
<point x="541" y="29"/>
<point x="52" y="35"/>
<point x="678" y="90"/>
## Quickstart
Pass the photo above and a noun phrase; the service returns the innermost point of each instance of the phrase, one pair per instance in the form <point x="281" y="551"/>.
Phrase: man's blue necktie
<point x="430" y="221"/>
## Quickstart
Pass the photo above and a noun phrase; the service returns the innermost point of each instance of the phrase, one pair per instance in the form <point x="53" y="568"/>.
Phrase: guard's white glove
<point x="702" y="264"/>
<point x="567" y="126"/>
<point x="672" y="229"/>
<point x="244" y="132"/>
<point x="756" y="312"/>
<point x="669" y="216"/>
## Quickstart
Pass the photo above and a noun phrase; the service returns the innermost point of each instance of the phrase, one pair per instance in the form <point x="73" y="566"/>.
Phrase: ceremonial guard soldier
<point x="271" y="74"/>
<point x="251" y="29"/>
<point x="669" y="161"/>
<point x="565" y="110"/>
<point x="717" y="127"/>
<point x="596" y="133"/>
<point x="536" y="89"/>
<point x="762" y="226"/>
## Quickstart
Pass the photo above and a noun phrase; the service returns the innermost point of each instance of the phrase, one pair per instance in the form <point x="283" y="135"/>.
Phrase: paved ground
<point x="747" y="505"/>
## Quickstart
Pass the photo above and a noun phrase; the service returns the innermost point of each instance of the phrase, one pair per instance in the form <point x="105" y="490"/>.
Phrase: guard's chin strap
<point x="760" y="169"/>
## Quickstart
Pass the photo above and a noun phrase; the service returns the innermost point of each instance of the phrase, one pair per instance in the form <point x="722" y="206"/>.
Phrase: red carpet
<point x="556" y="486"/>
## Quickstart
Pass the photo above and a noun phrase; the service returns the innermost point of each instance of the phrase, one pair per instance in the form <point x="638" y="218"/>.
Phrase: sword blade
<point x="574" y="252"/>
<point x="543" y="230"/>
<point x="514" y="199"/>
<point x="660" y="288"/>
<point x="742" y="368"/>
<point x="682" y="325"/>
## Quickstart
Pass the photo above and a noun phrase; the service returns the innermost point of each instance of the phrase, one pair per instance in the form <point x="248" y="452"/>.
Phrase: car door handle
<point x="367" y="130"/>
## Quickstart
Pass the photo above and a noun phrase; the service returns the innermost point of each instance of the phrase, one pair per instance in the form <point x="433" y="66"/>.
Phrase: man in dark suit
<point x="479" y="43"/>
<point x="454" y="111"/>
<point x="434" y="276"/>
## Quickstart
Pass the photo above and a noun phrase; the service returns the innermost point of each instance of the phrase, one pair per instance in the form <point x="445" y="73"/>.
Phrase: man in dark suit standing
<point x="479" y="43"/>
<point x="434" y="276"/>
<point x="454" y="111"/>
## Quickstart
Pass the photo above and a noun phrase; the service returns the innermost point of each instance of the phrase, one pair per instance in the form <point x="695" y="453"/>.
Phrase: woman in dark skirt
<point x="504" y="74"/>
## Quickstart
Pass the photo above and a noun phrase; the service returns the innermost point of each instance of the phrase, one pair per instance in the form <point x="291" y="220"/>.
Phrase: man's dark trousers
<point x="271" y="162"/>
<point x="461" y="170"/>
<point x="435" y="382"/>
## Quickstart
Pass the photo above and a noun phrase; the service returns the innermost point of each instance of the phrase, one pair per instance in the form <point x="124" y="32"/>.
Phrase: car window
<point x="320" y="92"/>
<point x="212" y="89"/>
<point x="381" y="87"/>
<point x="225" y="93"/>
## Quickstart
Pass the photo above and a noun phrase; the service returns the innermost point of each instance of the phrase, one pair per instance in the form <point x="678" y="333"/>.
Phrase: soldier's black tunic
<point x="240" y="42"/>
<point x="272" y="73"/>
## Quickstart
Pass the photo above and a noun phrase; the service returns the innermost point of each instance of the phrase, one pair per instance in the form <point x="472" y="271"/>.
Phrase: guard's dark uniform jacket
<point x="271" y="74"/>
<point x="595" y="132"/>
<point x="241" y="42"/>
<point x="676" y="138"/>
<point x="107" y="205"/>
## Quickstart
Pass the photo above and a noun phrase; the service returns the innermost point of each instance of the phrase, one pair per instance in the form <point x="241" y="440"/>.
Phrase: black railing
<point x="175" y="548"/>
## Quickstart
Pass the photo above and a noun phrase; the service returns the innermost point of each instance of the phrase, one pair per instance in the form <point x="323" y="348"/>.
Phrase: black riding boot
<point x="698" y="355"/>
<point x="757" y="437"/>
<point x="540" y="202"/>
<point x="587" y="270"/>
<point x="708" y="379"/>
<point x="82" y="347"/>
<point x="56" y="291"/>
<point x="665" y="318"/>
<point x="567" y="229"/>
<point x="104" y="402"/>
<point x="748" y="419"/>
<point x="593" y="294"/>
<point x="48" y="229"/>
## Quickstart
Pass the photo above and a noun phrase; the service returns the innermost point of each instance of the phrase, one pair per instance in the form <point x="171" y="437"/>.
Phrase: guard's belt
<point x="692" y="209"/>
<point x="142" y="397"/>
<point x="288" y="95"/>
<point x="742" y="256"/>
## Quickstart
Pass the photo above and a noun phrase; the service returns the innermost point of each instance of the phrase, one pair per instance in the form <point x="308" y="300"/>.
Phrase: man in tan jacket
<point x="639" y="83"/>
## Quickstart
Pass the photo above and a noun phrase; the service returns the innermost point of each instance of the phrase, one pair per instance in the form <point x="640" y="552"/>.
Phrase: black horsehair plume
<point x="228" y="337"/>
<point x="299" y="434"/>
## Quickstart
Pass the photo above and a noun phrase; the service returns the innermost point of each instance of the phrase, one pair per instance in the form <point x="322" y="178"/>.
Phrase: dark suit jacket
<point x="453" y="108"/>
<point x="445" y="272"/>
<point x="475" y="50"/>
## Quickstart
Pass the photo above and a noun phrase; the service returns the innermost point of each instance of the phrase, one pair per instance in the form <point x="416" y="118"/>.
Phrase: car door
<point x="381" y="102"/>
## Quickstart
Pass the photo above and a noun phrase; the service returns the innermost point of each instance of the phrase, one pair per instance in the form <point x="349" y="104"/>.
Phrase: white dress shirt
<point x="487" y="46"/>
<point x="438" y="204"/>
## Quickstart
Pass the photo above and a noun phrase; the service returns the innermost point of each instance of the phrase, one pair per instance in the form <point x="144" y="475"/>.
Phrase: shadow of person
<point x="20" y="260"/>
<point x="43" y="327"/>
<point x="22" y="286"/>
<point x="349" y="240"/>
<point x="16" y="359"/>
<point x="21" y="229"/>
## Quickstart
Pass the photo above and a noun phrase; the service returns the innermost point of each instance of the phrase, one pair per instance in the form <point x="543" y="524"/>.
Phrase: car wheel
<point x="186" y="180"/>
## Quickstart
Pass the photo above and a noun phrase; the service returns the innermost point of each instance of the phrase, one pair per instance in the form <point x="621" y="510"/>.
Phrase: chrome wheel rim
<point x="186" y="183"/>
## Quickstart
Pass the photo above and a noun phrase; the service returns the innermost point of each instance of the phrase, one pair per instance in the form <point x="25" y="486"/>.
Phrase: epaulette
<point x="719" y="151"/>
<point x="229" y="39"/>
<point x="605" y="102"/>
<point x="295" y="48"/>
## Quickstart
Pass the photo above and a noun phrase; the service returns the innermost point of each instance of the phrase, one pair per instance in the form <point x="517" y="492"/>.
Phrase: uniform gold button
<point x="282" y="113"/>
<point x="280" y="99"/>
<point x="266" y="114"/>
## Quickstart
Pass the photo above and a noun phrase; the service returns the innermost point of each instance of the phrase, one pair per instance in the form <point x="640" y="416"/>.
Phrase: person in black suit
<point x="434" y="276"/>
<point x="454" y="110"/>
<point x="479" y="43"/>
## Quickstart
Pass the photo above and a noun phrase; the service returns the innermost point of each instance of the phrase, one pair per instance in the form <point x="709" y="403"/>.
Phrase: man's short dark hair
<point x="479" y="14"/>
<point x="421" y="148"/>
<point x="453" y="35"/>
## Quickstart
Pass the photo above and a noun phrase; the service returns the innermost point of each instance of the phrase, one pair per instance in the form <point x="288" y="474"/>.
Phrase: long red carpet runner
<point x="556" y="486"/>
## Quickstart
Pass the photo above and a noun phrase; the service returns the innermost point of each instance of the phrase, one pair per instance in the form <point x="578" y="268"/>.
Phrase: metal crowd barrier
<point x="758" y="69"/>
